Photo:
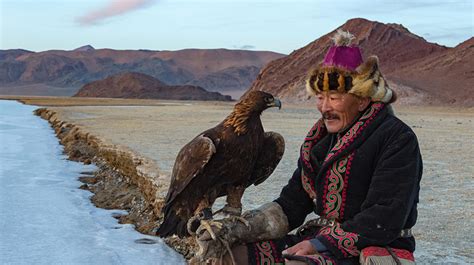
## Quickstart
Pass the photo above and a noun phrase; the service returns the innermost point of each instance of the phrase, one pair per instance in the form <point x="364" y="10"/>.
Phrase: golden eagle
<point x="223" y="160"/>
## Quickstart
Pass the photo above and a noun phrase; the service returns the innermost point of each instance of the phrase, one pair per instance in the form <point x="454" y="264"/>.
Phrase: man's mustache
<point x="330" y="116"/>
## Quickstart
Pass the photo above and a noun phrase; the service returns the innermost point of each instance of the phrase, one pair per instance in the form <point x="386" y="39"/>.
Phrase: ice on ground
<point x="44" y="217"/>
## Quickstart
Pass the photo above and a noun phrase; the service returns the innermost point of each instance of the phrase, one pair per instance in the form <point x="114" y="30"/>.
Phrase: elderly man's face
<point x="339" y="109"/>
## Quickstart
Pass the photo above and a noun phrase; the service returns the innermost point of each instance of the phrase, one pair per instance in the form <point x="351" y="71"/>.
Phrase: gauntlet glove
<point x="265" y="223"/>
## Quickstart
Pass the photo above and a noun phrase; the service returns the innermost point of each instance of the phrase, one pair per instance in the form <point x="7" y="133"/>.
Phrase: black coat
<point x="376" y="194"/>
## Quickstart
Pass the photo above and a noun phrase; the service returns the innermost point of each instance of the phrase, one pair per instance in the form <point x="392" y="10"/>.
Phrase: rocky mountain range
<point x="421" y="72"/>
<point x="58" y="72"/>
<point x="137" y="85"/>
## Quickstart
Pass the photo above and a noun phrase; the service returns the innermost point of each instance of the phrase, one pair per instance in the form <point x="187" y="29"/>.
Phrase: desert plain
<point x="157" y="129"/>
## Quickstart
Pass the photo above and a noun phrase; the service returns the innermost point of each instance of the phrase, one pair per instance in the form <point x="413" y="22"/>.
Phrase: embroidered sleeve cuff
<point x="342" y="244"/>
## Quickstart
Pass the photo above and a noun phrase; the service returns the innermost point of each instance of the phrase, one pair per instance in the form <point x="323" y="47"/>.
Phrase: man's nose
<point x="325" y="105"/>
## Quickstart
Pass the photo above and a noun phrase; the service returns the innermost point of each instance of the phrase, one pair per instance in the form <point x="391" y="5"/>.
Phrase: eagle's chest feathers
<point x="240" y="150"/>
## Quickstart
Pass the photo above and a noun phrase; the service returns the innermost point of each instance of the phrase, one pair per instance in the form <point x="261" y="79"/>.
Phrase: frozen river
<point x="44" y="217"/>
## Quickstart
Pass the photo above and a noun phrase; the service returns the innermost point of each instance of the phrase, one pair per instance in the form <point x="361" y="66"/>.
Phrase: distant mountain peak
<point x="418" y="68"/>
<point x="364" y="28"/>
<point x="85" y="48"/>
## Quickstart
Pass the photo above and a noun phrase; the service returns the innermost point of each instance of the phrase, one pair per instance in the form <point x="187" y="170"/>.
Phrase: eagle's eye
<point x="268" y="99"/>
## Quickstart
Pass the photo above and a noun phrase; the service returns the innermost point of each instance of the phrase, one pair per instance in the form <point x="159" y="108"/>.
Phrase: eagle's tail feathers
<point x="172" y="225"/>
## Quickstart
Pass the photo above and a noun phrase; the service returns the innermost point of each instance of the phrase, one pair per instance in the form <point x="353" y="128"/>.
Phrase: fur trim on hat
<point x="369" y="82"/>
<point x="311" y="85"/>
<point x="319" y="80"/>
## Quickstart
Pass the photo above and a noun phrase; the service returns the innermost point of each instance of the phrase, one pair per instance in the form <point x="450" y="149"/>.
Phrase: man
<point x="359" y="170"/>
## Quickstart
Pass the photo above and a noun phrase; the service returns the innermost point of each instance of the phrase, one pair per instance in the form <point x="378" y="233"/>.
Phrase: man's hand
<point x="303" y="248"/>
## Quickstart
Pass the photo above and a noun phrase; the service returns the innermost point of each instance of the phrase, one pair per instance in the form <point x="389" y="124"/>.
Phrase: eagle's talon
<point x="207" y="225"/>
<point x="189" y="224"/>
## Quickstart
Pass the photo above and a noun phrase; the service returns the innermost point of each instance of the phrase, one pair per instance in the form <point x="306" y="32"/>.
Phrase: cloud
<point x="244" y="47"/>
<point x="113" y="8"/>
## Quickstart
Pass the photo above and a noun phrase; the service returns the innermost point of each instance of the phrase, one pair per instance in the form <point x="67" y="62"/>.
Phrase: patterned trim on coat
<point x="308" y="185"/>
<point x="344" y="241"/>
<point x="317" y="132"/>
<point x="335" y="188"/>
<point x="334" y="194"/>
<point x="355" y="130"/>
<point x="266" y="253"/>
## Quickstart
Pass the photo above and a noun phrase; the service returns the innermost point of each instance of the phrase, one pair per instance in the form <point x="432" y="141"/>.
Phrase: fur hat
<point x="343" y="70"/>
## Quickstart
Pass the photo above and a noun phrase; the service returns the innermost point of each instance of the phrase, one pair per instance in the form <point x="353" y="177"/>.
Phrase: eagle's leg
<point x="203" y="213"/>
<point x="233" y="208"/>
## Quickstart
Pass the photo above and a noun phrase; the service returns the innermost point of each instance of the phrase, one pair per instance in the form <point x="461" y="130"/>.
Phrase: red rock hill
<point x="69" y="70"/>
<point x="446" y="76"/>
<point x="401" y="54"/>
<point x="137" y="85"/>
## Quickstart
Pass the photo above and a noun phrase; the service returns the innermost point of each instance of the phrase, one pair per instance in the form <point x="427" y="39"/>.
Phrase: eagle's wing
<point x="191" y="160"/>
<point x="268" y="159"/>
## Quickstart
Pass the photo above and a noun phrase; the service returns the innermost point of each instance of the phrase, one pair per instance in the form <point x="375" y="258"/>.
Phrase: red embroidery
<point x="344" y="241"/>
<point x="355" y="130"/>
<point x="381" y="251"/>
<point x="336" y="182"/>
<point x="346" y="179"/>
<point x="265" y="253"/>
<point x="308" y="185"/>
<point x="335" y="188"/>
<point x="317" y="132"/>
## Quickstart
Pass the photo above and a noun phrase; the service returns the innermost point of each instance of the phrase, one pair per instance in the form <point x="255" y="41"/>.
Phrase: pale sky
<point x="275" y="25"/>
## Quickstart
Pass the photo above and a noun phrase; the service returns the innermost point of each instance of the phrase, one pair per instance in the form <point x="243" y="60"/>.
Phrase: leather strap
<point x="394" y="256"/>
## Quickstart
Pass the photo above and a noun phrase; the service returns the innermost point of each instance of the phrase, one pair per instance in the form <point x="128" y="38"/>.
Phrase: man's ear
<point x="363" y="103"/>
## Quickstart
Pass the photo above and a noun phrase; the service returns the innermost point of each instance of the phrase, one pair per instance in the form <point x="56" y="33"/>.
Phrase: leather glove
<point x="265" y="223"/>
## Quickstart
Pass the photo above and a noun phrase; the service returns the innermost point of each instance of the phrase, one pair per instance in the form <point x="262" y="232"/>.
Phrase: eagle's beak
<point x="276" y="103"/>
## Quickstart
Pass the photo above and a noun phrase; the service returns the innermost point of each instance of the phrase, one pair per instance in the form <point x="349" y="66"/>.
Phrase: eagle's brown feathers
<point x="223" y="160"/>
<point x="242" y="111"/>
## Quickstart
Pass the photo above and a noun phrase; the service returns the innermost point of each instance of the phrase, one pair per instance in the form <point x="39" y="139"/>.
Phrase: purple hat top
<point x="342" y="55"/>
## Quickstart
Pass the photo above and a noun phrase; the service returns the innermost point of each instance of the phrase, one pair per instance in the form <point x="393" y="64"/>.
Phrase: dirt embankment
<point x="124" y="180"/>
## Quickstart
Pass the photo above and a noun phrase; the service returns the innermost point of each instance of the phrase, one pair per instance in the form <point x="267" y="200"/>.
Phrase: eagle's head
<point x="251" y="104"/>
<point x="256" y="102"/>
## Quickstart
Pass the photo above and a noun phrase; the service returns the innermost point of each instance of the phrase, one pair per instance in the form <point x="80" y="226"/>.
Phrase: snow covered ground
<point x="44" y="217"/>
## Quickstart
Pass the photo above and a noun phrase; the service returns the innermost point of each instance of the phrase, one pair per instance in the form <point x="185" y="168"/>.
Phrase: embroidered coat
<point x="368" y="181"/>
